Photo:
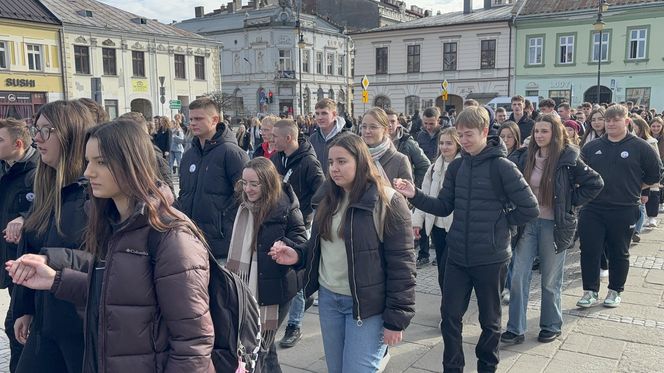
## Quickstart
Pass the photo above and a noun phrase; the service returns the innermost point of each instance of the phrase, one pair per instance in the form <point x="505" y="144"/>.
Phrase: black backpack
<point x="235" y="316"/>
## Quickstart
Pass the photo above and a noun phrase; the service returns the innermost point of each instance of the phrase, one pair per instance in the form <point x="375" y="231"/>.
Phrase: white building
<point x="261" y="58"/>
<point x="406" y="63"/>
<point x="119" y="59"/>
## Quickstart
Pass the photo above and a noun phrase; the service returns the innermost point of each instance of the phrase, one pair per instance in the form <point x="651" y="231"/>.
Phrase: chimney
<point x="199" y="11"/>
<point x="487" y="4"/>
<point x="467" y="6"/>
<point x="231" y="7"/>
<point x="238" y="5"/>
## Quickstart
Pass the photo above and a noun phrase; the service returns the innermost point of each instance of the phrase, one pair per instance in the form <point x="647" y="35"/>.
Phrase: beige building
<point x="127" y="62"/>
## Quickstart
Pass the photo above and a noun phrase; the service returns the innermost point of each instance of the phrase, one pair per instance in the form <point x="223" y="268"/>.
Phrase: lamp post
<point x="602" y="7"/>
<point x="300" y="47"/>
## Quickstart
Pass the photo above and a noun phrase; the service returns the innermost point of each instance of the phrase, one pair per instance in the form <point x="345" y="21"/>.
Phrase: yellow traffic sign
<point x="445" y="85"/>
<point x="365" y="96"/>
<point x="445" y="96"/>
<point x="365" y="82"/>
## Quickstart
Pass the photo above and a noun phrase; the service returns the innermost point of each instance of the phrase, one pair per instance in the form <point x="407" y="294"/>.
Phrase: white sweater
<point x="431" y="186"/>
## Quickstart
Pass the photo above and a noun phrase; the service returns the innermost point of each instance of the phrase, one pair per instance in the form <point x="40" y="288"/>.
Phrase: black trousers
<point x="488" y="282"/>
<point x="652" y="206"/>
<point x="438" y="236"/>
<point x="52" y="354"/>
<point x="423" y="243"/>
<point x="15" y="347"/>
<point x="611" y="230"/>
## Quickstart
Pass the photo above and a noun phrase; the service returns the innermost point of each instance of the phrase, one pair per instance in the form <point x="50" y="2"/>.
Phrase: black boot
<point x="291" y="337"/>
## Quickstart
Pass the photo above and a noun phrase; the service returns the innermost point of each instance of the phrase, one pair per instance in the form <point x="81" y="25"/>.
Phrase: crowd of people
<point x="305" y="206"/>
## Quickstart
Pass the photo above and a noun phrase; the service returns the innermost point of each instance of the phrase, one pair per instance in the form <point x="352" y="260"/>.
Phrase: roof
<point x="26" y="10"/>
<point x="110" y="18"/>
<point x="218" y="22"/>
<point x="497" y="14"/>
<point x="560" y="6"/>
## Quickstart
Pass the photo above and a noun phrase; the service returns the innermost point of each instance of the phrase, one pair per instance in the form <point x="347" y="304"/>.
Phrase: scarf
<point x="377" y="152"/>
<point x="242" y="262"/>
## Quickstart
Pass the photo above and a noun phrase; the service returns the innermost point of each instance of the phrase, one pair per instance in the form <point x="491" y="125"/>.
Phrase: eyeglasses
<point x="253" y="184"/>
<point x="44" y="132"/>
<point x="369" y="128"/>
<point x="506" y="136"/>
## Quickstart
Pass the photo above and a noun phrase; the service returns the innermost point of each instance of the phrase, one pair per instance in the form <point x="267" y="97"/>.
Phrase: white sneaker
<point x="653" y="222"/>
<point x="661" y="208"/>
<point x="603" y="273"/>
<point x="383" y="363"/>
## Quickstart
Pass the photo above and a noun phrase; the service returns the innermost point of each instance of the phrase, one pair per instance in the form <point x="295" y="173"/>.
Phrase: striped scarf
<point x="377" y="152"/>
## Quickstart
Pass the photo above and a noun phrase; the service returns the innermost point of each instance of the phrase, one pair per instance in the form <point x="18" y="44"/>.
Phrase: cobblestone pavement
<point x="629" y="338"/>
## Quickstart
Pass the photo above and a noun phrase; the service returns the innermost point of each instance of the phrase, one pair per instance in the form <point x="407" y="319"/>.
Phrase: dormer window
<point x="84" y="13"/>
<point x="140" y="20"/>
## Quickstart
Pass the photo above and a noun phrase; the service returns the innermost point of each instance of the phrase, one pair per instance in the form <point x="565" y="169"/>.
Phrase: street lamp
<point x="598" y="26"/>
<point x="300" y="47"/>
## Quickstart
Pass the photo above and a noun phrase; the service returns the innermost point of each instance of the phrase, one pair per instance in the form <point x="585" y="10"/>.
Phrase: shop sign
<point x="139" y="86"/>
<point x="12" y="82"/>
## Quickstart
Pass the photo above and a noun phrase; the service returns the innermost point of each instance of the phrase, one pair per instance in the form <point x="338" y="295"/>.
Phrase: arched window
<point x="412" y="104"/>
<point x="306" y="97"/>
<point x="382" y="102"/>
<point x="330" y="94"/>
<point x="321" y="95"/>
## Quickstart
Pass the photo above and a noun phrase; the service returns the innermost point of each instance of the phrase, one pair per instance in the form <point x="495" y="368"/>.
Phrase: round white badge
<point x="624" y="154"/>
<point x="192" y="168"/>
<point x="30" y="197"/>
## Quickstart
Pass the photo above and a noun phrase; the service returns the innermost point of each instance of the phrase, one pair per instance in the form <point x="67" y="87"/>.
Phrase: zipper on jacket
<point x="470" y="184"/>
<point x="352" y="257"/>
<point x="102" y="305"/>
<point x="306" y="284"/>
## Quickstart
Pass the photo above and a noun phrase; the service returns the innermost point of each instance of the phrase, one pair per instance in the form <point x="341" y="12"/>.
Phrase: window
<point x="412" y="104"/>
<point x="109" y="61"/>
<point x="381" y="60"/>
<point x="488" y="58"/>
<point x="639" y="96"/>
<point x="535" y="50"/>
<point x="306" y="58"/>
<point x="34" y="57"/>
<point x="450" y="56"/>
<point x="532" y="93"/>
<point x="138" y="63"/>
<point x="330" y="64"/>
<point x="111" y="107"/>
<point x="319" y="62"/>
<point x="3" y="54"/>
<point x="199" y="67"/>
<point x="604" y="46"/>
<point x="413" y="62"/>
<point x="561" y="95"/>
<point x="566" y="49"/>
<point x="82" y="59"/>
<point x="179" y="66"/>
<point x="637" y="44"/>
<point x="285" y="60"/>
<point x="340" y="65"/>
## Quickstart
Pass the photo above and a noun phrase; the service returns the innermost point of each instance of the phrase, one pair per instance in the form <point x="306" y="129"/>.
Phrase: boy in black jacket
<point x="479" y="237"/>
<point x="627" y="164"/>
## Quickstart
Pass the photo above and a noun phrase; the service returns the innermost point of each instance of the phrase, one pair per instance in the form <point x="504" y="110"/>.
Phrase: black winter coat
<point x="381" y="274"/>
<point x="54" y="317"/>
<point x="163" y="140"/>
<point x="303" y="172"/>
<point x="525" y="124"/>
<point x="15" y="200"/>
<point x="277" y="284"/>
<point x="576" y="184"/>
<point x="480" y="233"/>
<point x="207" y="183"/>
<point x="418" y="160"/>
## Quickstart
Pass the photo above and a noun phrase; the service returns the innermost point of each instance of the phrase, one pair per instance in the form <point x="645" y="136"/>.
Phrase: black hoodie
<point x="208" y="176"/>
<point x="479" y="234"/>
<point x="303" y="172"/>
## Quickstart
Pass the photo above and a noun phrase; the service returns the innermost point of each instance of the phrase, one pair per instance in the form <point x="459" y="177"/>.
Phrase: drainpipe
<point x="510" y="23"/>
<point x="63" y="66"/>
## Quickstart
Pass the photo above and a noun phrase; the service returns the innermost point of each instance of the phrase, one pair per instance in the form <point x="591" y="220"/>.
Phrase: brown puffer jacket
<point x="153" y="317"/>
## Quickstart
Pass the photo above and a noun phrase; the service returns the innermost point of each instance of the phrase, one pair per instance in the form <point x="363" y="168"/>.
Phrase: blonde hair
<point x="473" y="117"/>
<point x="326" y="103"/>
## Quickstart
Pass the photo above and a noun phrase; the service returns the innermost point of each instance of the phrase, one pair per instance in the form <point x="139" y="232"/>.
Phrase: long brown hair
<point x="516" y="133"/>
<point x="70" y="119"/>
<point x="366" y="174"/>
<point x="558" y="143"/>
<point x="270" y="184"/>
<point x="590" y="128"/>
<point x="644" y="128"/>
<point x="127" y="150"/>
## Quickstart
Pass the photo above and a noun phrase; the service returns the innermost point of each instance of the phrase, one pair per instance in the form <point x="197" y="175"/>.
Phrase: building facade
<point x="263" y="68"/>
<point x="127" y="62"/>
<point x="361" y="15"/>
<point x="557" y="52"/>
<point x="30" y="59"/>
<point x="407" y="63"/>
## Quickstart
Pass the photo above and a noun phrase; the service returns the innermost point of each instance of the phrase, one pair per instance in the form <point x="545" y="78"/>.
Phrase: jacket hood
<point x="494" y="148"/>
<point x="629" y="137"/>
<point x="304" y="150"/>
<point x="28" y="162"/>
<point x="223" y="135"/>
<point x="569" y="156"/>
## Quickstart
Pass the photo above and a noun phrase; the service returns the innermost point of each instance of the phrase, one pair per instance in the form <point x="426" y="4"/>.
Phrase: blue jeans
<point x="349" y="347"/>
<point x="642" y="218"/>
<point x="172" y="157"/>
<point x="537" y="240"/>
<point x="296" y="310"/>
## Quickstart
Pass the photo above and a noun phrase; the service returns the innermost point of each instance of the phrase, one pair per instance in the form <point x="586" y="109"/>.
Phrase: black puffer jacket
<point x="15" y="200"/>
<point x="407" y="145"/>
<point x="277" y="283"/>
<point x="479" y="234"/>
<point x="576" y="185"/>
<point x="381" y="274"/>
<point x="207" y="183"/>
<point x="54" y="317"/>
<point x="303" y="172"/>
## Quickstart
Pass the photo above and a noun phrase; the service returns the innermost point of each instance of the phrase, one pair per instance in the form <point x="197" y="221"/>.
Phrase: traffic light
<point x="270" y="97"/>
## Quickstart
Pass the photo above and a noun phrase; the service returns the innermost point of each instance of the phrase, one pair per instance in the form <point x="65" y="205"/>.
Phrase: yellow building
<point x="30" y="58"/>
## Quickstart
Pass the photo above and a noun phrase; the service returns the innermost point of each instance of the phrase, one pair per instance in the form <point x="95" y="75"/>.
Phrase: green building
<point x="559" y="49"/>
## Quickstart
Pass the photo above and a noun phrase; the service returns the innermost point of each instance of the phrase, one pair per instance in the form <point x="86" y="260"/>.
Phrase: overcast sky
<point x="170" y="10"/>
